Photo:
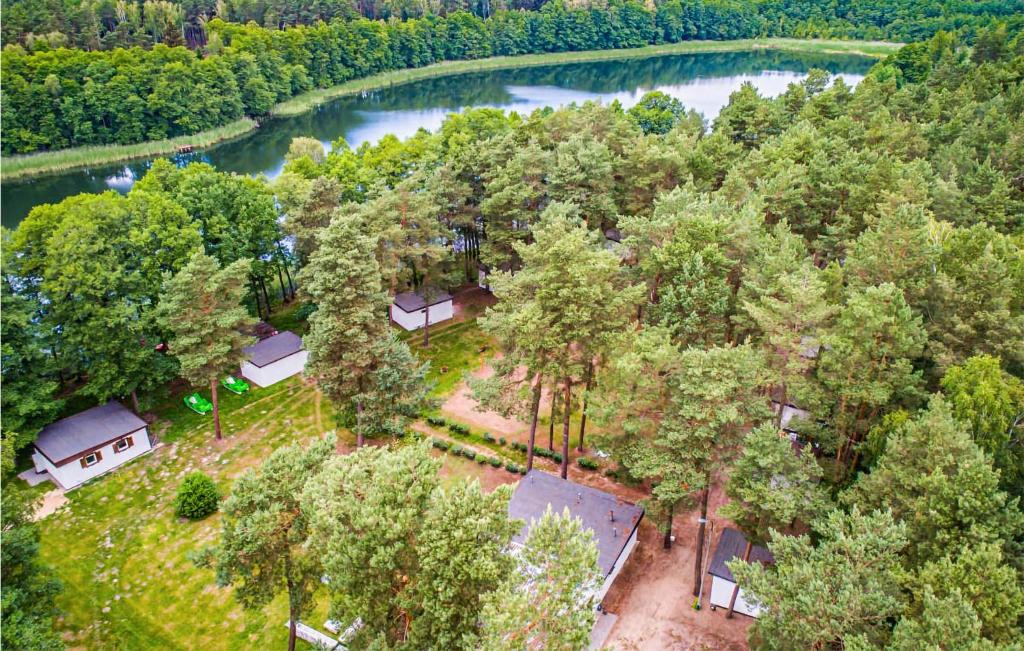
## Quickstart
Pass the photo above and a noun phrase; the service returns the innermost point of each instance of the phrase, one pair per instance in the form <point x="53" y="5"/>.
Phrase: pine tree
<point x="201" y="308"/>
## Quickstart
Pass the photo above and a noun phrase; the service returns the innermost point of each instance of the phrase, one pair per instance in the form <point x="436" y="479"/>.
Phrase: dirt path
<point x="52" y="501"/>
<point x="462" y="407"/>
<point x="654" y="594"/>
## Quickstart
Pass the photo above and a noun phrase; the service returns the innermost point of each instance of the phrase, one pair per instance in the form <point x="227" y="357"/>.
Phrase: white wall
<point x="721" y="593"/>
<point x="623" y="557"/>
<point x="481" y="279"/>
<point x="72" y="473"/>
<point x="277" y="371"/>
<point x="413" y="321"/>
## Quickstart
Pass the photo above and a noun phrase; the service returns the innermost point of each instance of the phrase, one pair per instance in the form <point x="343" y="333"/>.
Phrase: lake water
<point x="701" y="81"/>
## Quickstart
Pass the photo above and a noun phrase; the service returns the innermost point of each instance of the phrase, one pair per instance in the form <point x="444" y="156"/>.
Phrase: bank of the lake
<point x="21" y="167"/>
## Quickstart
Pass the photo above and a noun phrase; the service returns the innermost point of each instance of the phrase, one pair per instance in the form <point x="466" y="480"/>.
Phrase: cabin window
<point x="91" y="460"/>
<point x="122" y="444"/>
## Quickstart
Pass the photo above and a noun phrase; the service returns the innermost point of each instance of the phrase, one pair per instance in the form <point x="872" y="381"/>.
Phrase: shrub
<point x="501" y="441"/>
<point x="440" y="444"/>
<point x="458" y="429"/>
<point x="511" y="467"/>
<point x="457" y="449"/>
<point x="516" y="445"/>
<point x="587" y="464"/>
<point x="556" y="457"/>
<point x="197" y="497"/>
<point x="469" y="454"/>
<point x="495" y="462"/>
<point x="611" y="473"/>
<point x="481" y="459"/>
<point x="488" y="437"/>
<point x="437" y="421"/>
<point x="522" y="470"/>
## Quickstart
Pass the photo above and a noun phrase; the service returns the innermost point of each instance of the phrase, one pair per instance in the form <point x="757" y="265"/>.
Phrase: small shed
<point x="274" y="359"/>
<point x="411" y="310"/>
<point x="482" y="272"/>
<point x="90" y="443"/>
<point x="615" y="523"/>
<point x="731" y="545"/>
<point x="790" y="413"/>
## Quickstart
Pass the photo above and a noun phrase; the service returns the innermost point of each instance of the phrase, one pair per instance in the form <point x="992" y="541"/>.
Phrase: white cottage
<point x="89" y="444"/>
<point x="615" y="523"/>
<point x="410" y="309"/>
<point x="274" y="359"/>
<point x="731" y="545"/>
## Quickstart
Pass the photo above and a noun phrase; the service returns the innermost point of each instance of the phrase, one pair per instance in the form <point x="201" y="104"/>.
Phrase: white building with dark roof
<point x="274" y="359"/>
<point x="615" y="523"/>
<point x="411" y="310"/>
<point x="90" y="443"/>
<point x="731" y="545"/>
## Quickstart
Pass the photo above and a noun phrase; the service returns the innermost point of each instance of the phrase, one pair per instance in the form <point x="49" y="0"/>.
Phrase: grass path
<point x="24" y="166"/>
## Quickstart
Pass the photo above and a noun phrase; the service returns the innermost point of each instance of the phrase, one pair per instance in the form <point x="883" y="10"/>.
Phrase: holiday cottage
<point x="410" y="309"/>
<point x="90" y="443"/>
<point x="274" y="359"/>
<point x="731" y="545"/>
<point x="615" y="523"/>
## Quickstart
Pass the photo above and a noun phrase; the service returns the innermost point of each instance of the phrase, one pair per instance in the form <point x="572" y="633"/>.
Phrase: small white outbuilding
<point x="90" y="443"/>
<point x="411" y="310"/>
<point x="731" y="545"/>
<point x="274" y="359"/>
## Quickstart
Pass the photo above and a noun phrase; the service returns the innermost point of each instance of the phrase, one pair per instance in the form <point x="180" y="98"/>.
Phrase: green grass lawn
<point x="454" y="349"/>
<point x="122" y="555"/>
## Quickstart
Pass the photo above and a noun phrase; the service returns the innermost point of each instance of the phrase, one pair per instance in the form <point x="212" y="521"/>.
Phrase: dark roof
<point x="70" y="437"/>
<point x="274" y="348"/>
<point x="261" y="330"/>
<point x="731" y="545"/>
<point x="412" y="301"/>
<point x="613" y="234"/>
<point x="538" y="489"/>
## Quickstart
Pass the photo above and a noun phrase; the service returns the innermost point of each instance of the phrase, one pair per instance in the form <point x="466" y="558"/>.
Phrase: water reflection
<point x="701" y="81"/>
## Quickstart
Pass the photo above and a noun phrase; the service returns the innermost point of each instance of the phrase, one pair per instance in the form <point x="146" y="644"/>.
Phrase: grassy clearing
<point x="52" y="162"/>
<point x="310" y="100"/>
<point x="16" y="167"/>
<point x="455" y="349"/>
<point x="122" y="554"/>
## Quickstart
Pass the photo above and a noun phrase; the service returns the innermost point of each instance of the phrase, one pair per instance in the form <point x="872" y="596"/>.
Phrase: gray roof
<point x="412" y="301"/>
<point x="274" y="348"/>
<point x="731" y="545"/>
<point x="538" y="489"/>
<point x="69" y="438"/>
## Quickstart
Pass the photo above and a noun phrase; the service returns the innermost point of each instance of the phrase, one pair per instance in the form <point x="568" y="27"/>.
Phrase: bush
<point x="456" y="428"/>
<point x="587" y="464"/>
<point x="522" y="470"/>
<point x="457" y="450"/>
<point x="197" y="497"/>
<point x="481" y="459"/>
<point x="437" y="421"/>
<point x="495" y="462"/>
<point x="501" y="441"/>
<point x="556" y="457"/>
<point x="488" y="437"/>
<point x="469" y="454"/>
<point x="516" y="445"/>
<point x="440" y="444"/>
<point x="511" y="467"/>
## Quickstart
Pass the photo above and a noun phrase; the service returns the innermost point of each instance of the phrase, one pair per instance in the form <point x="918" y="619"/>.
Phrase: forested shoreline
<point x="56" y="97"/>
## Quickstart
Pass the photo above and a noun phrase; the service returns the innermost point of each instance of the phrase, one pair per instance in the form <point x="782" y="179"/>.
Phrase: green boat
<point x="198" y="404"/>
<point x="234" y="384"/>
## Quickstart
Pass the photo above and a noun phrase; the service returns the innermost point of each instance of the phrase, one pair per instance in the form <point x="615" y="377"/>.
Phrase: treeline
<point x="107" y="24"/>
<point x="56" y="97"/>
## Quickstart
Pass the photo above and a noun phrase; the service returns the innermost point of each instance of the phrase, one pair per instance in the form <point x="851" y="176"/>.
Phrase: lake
<point x="701" y="81"/>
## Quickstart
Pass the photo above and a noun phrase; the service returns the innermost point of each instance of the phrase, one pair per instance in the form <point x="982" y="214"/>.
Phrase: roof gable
<point x="731" y="545"/>
<point x="593" y="507"/>
<point x="273" y="349"/>
<point x="413" y="301"/>
<point x="70" y="437"/>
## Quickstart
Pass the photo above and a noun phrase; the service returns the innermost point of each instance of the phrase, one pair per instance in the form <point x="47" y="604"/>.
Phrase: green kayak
<point x="198" y="404"/>
<point x="234" y="384"/>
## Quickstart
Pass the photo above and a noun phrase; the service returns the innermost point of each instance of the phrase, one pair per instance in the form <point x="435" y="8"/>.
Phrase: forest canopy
<point x="139" y="82"/>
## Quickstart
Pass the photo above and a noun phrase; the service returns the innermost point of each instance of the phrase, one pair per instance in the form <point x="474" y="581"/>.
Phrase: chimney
<point x="611" y="515"/>
<point x="579" y="497"/>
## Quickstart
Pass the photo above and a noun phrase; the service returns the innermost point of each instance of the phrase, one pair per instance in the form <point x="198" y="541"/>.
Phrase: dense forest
<point x="856" y="253"/>
<point x="140" y="82"/>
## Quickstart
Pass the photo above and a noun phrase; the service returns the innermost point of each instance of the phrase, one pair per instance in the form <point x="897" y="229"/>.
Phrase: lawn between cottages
<point x="122" y="555"/>
<point x="62" y="160"/>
